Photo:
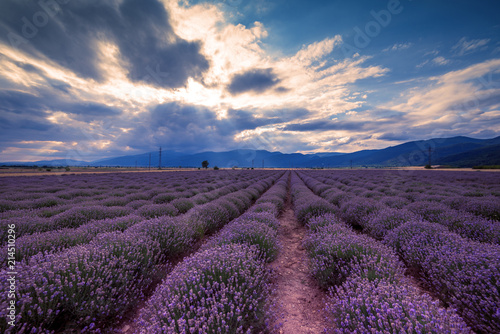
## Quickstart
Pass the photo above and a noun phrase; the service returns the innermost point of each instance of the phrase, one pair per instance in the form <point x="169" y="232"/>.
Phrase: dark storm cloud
<point x="178" y="117"/>
<point x="59" y="85"/>
<point x="256" y="80"/>
<point x="197" y="128"/>
<point x="239" y="120"/>
<point x="322" y="125"/>
<point x="92" y="109"/>
<point x="281" y="90"/>
<point x="19" y="102"/>
<point x="396" y="136"/>
<point x="28" y="67"/>
<point x="180" y="127"/>
<point x="69" y="34"/>
<point x="22" y="116"/>
<point x="29" y="104"/>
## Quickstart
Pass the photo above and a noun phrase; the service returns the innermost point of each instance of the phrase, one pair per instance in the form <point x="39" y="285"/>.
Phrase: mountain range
<point x="456" y="152"/>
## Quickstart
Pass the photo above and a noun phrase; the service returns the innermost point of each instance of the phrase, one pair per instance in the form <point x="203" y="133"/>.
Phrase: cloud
<point x="398" y="46"/>
<point x="122" y="77"/>
<point x="12" y="101"/>
<point x="317" y="50"/>
<point x="398" y="136"/>
<point x="422" y="64"/>
<point x="26" y="119"/>
<point x="256" y="80"/>
<point x="440" y="61"/>
<point x="460" y="102"/>
<point x="141" y="30"/>
<point x="465" y="46"/>
<point x="92" y="109"/>
<point x="321" y="125"/>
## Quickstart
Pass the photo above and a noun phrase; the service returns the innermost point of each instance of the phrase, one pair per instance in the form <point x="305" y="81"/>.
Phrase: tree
<point x="204" y="164"/>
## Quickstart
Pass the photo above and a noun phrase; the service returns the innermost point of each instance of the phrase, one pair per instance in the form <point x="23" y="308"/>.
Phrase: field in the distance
<point x="387" y="251"/>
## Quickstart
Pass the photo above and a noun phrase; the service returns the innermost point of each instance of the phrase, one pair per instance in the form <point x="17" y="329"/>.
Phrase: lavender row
<point x="219" y="290"/>
<point x="462" y="272"/>
<point x="374" y="214"/>
<point x="306" y="204"/>
<point x="143" y="191"/>
<point x="171" y="238"/>
<point x="77" y="216"/>
<point x="109" y="187"/>
<point x="476" y="193"/>
<point x="143" y="194"/>
<point x="86" y="285"/>
<point x="222" y="288"/>
<point x="96" y="283"/>
<point x="258" y="226"/>
<point x="368" y="291"/>
<point x="57" y="239"/>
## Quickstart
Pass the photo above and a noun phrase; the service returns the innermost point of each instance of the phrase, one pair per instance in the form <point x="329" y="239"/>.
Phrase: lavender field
<point x="196" y="252"/>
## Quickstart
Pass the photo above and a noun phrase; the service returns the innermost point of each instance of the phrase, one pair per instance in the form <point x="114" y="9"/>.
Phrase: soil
<point x="298" y="297"/>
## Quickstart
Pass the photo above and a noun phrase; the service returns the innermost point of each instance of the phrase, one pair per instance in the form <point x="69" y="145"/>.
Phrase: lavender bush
<point x="379" y="223"/>
<point x="337" y="253"/>
<point x="87" y="285"/>
<point x="174" y="235"/>
<point x="157" y="210"/>
<point x="219" y="290"/>
<point x="252" y="233"/>
<point x="356" y="212"/>
<point x="463" y="273"/>
<point x="363" y="306"/>
<point x="260" y="217"/>
<point x="183" y="205"/>
<point x="270" y="208"/>
<point x="80" y="215"/>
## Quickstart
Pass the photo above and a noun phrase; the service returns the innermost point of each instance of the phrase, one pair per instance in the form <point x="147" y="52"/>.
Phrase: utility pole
<point x="159" y="162"/>
<point x="430" y="155"/>
<point x="351" y="164"/>
<point x="149" y="168"/>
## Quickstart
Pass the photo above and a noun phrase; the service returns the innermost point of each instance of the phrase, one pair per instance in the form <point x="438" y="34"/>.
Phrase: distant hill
<point x="456" y="151"/>
<point x="49" y="163"/>
<point x="415" y="153"/>
<point x="489" y="155"/>
<point x="239" y="158"/>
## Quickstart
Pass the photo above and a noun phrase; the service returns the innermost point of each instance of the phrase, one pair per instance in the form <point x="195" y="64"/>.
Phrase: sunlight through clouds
<point x="127" y="83"/>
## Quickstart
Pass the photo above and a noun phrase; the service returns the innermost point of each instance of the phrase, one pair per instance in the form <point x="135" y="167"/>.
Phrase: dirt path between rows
<point x="298" y="296"/>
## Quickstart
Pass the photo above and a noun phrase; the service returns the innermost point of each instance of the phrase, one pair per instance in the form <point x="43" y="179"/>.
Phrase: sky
<point x="92" y="79"/>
